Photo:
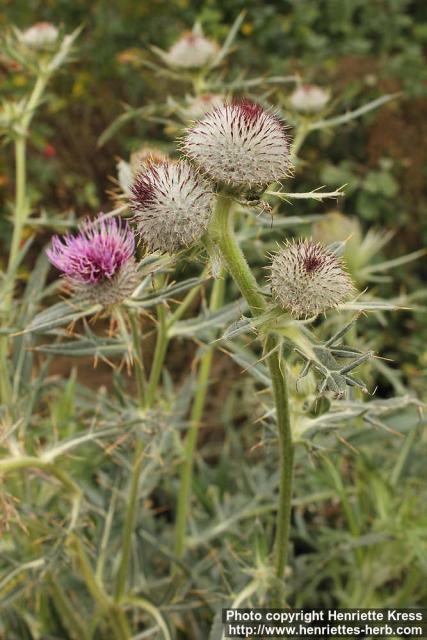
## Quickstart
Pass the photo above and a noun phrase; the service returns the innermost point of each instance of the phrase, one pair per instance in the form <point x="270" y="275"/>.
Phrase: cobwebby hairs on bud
<point x="308" y="279"/>
<point x="39" y="36"/>
<point x="98" y="262"/>
<point x="172" y="203"/>
<point x="191" y="51"/>
<point x="240" y="144"/>
<point x="309" y="98"/>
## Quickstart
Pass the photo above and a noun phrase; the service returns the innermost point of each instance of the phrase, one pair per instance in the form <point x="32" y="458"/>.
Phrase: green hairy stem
<point x="217" y="296"/>
<point x="222" y="234"/>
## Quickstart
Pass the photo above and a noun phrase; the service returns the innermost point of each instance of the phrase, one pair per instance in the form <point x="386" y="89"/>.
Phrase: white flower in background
<point x="125" y="176"/>
<point x="192" y="51"/>
<point x="172" y="205"/>
<point x="241" y="144"/>
<point x="41" y="35"/>
<point x="336" y="227"/>
<point x="308" y="279"/>
<point x="308" y="98"/>
<point x="198" y="106"/>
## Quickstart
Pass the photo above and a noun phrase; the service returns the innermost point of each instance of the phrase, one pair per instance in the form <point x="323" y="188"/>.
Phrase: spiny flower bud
<point x="191" y="51"/>
<point x="98" y="262"/>
<point x="308" y="98"/>
<point x="241" y="144"/>
<point x="41" y="35"/>
<point x="308" y="279"/>
<point x="172" y="205"/>
<point x="127" y="171"/>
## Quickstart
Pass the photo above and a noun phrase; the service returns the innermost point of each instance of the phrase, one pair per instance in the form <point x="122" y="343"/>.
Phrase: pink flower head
<point x="98" y="261"/>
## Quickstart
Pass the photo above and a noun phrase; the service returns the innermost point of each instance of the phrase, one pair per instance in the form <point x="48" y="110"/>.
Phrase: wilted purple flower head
<point x="307" y="279"/>
<point x="309" y="98"/>
<point x="241" y="144"/>
<point x="98" y="262"/>
<point x="172" y="205"/>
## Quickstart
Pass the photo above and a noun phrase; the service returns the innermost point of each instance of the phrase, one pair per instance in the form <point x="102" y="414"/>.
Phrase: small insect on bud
<point x="191" y="51"/>
<point x="241" y="144"/>
<point x="41" y="35"/>
<point x="98" y="262"/>
<point x="308" y="98"/>
<point x="172" y="205"/>
<point x="308" y="279"/>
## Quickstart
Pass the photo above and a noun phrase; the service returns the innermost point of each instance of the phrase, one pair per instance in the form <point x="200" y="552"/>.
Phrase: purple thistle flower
<point x="98" y="261"/>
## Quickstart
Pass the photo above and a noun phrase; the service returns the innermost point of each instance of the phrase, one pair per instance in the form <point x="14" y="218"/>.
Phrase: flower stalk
<point x="222" y="233"/>
<point x="186" y="475"/>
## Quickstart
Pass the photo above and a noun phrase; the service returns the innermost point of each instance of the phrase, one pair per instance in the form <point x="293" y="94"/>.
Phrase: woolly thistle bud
<point x="127" y="171"/>
<point x="41" y="35"/>
<point x="308" y="279"/>
<point x="241" y="144"/>
<point x="191" y="51"/>
<point x="98" y="261"/>
<point x="308" y="98"/>
<point x="172" y="205"/>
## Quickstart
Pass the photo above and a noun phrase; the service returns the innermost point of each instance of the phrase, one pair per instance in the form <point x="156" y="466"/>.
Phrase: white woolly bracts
<point x="172" y="205"/>
<point x="308" y="278"/>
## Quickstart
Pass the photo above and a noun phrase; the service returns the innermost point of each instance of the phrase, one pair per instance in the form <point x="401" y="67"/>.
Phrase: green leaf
<point x="62" y="313"/>
<point x="86" y="347"/>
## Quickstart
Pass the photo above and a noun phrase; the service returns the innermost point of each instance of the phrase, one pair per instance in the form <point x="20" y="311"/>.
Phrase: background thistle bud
<point x="308" y="98"/>
<point x="241" y="144"/>
<point x="98" y="262"/>
<point x="308" y="279"/>
<point x="41" y="35"/>
<point x="172" y="205"/>
<point x="192" y="51"/>
<point x="198" y="106"/>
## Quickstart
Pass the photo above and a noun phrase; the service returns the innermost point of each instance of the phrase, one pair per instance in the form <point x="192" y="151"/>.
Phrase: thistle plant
<point x="189" y="254"/>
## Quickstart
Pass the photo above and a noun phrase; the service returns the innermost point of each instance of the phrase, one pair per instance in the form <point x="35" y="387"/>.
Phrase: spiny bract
<point x="172" y="205"/>
<point x="308" y="279"/>
<point x="241" y="144"/>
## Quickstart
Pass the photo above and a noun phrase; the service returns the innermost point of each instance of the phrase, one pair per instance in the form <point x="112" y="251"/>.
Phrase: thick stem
<point x="195" y="421"/>
<point x="138" y="360"/>
<point x="222" y="233"/>
<point x="20" y="218"/>
<point x="21" y="208"/>
<point x="129" y="521"/>
<point x="159" y="355"/>
<point x="21" y="204"/>
<point x="148" y="397"/>
<point x="116" y="616"/>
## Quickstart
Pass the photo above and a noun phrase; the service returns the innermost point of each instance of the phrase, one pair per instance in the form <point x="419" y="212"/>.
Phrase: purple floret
<point x="96" y="253"/>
